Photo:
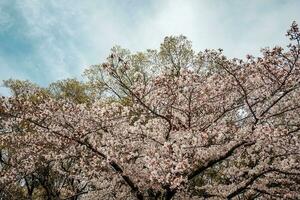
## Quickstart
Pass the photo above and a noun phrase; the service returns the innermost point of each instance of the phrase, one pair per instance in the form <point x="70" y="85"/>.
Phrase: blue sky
<point x="47" y="40"/>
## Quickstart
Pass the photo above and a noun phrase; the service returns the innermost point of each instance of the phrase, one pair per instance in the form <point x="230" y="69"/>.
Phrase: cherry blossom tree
<point x="169" y="125"/>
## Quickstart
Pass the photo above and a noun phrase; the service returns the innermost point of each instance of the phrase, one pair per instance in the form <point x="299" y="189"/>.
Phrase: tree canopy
<point x="159" y="124"/>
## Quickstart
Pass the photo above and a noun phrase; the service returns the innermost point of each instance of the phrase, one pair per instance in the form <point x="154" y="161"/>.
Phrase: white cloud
<point x="239" y="27"/>
<point x="5" y="20"/>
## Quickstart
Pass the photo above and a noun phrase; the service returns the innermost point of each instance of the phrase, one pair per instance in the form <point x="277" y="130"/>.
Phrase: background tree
<point x="73" y="90"/>
<point x="46" y="182"/>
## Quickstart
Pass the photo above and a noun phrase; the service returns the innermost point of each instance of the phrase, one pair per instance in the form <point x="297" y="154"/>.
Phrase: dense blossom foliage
<point x="169" y="124"/>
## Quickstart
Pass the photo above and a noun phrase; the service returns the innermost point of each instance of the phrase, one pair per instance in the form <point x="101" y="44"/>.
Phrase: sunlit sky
<point x="47" y="40"/>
